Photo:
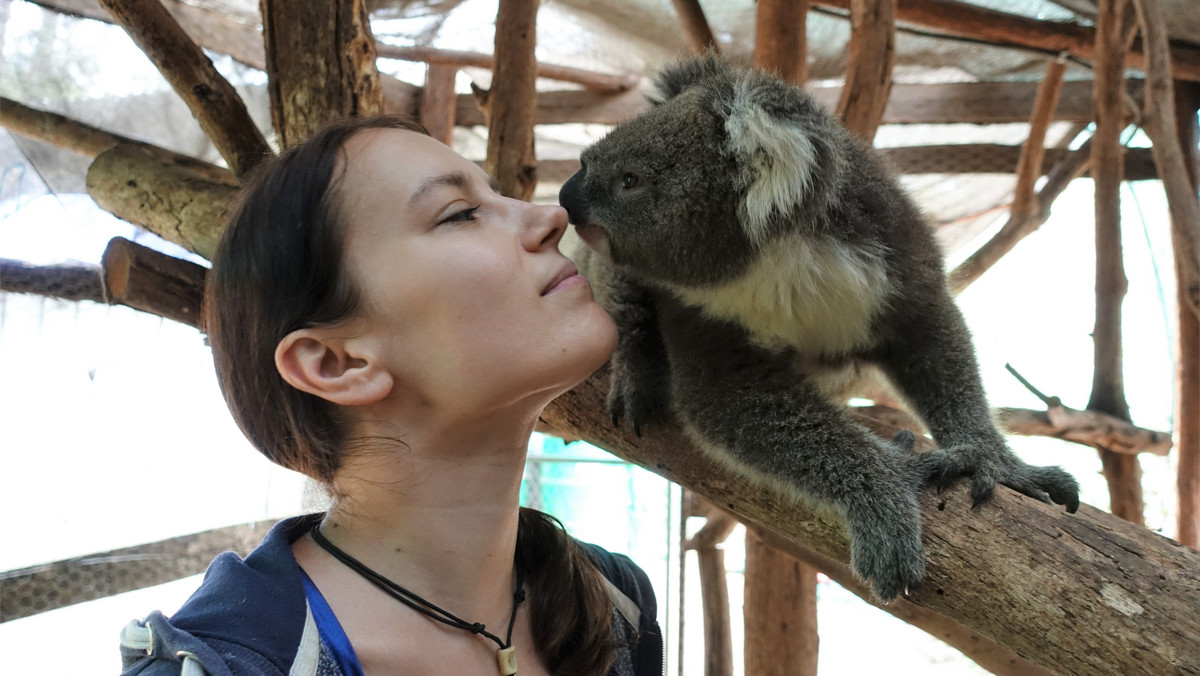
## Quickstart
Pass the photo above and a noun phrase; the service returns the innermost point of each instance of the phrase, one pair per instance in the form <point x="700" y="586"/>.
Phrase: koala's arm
<point x="638" y="390"/>
<point x="931" y="358"/>
<point x="747" y="405"/>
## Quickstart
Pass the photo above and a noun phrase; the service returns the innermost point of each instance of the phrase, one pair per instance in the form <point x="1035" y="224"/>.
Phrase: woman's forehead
<point x="398" y="161"/>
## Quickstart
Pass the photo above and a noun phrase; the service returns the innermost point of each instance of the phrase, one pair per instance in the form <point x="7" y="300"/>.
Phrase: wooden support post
<point x="1108" y="389"/>
<point x="780" y="38"/>
<point x="780" y="611"/>
<point x="696" y="33"/>
<point x="65" y="282"/>
<point x="714" y="591"/>
<point x="151" y="281"/>
<point x="438" y="102"/>
<point x="1029" y="166"/>
<point x="320" y="65"/>
<point x="148" y="188"/>
<point x="512" y="100"/>
<point x="212" y="100"/>
<point x="872" y="54"/>
<point x="1187" y="371"/>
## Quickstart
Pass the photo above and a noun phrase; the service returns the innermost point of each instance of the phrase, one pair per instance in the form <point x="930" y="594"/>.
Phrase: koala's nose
<point x="571" y="198"/>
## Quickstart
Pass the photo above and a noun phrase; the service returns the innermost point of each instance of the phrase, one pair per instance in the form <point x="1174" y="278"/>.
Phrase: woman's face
<point x="466" y="292"/>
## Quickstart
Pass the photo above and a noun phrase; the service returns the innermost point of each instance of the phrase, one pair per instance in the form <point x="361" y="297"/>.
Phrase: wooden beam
<point x="513" y="100"/>
<point x="872" y="54"/>
<point x="320" y="65"/>
<point x="780" y="38"/>
<point x="437" y="101"/>
<point x="1011" y="30"/>
<point x="714" y="591"/>
<point x="148" y="189"/>
<point x="1187" y="369"/>
<point x="995" y="569"/>
<point x="84" y="139"/>
<point x="213" y="101"/>
<point x="64" y="282"/>
<point x="600" y="82"/>
<point x="955" y="103"/>
<point x="1089" y="428"/>
<point x="151" y="281"/>
<point x="696" y="33"/>
<point x="780" y="608"/>
<point x="1029" y="167"/>
<point x="37" y="589"/>
<point x="1108" y="385"/>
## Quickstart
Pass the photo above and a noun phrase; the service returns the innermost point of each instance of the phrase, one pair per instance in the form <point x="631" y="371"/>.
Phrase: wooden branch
<point x="513" y="100"/>
<point x="780" y="609"/>
<point x="1018" y="227"/>
<point x="717" y="528"/>
<point x="1089" y="428"/>
<point x="984" y="651"/>
<point x="1108" y="390"/>
<point x="1158" y="118"/>
<point x="599" y="82"/>
<point x="1029" y="167"/>
<point x="1011" y="30"/>
<point x="78" y="137"/>
<point x="1187" y="371"/>
<point x="151" y="281"/>
<point x="150" y="189"/>
<point x="437" y="102"/>
<point x="1082" y="593"/>
<point x="714" y="591"/>
<point x="37" y="589"/>
<point x="64" y="282"/>
<point x="696" y="33"/>
<point x="320" y="65"/>
<point x="212" y="100"/>
<point x="780" y="38"/>
<point x="872" y="54"/>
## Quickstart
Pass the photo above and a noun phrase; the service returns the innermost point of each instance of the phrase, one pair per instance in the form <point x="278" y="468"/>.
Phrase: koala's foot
<point x="885" y="547"/>
<point x="634" y="397"/>
<point x="988" y="467"/>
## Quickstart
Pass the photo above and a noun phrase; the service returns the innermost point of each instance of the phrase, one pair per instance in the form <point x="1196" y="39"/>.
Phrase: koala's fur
<point x="752" y="252"/>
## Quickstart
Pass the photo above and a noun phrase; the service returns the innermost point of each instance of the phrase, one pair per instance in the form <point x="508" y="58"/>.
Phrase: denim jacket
<point x="251" y="617"/>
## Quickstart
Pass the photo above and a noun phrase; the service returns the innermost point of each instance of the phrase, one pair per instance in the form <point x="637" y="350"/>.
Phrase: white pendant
<point x="507" y="657"/>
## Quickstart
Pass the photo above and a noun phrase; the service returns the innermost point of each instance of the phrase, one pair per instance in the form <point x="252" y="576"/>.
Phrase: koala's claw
<point x="887" y="552"/>
<point x="1051" y="485"/>
<point x="629" y="401"/>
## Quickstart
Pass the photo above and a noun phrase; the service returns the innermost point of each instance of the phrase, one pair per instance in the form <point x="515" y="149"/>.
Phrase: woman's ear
<point x="316" y="361"/>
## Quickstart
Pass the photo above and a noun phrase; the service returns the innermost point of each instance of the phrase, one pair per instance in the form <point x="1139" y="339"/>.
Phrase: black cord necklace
<point x="506" y="655"/>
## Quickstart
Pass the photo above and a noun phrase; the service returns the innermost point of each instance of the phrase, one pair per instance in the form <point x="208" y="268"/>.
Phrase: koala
<point x="753" y="253"/>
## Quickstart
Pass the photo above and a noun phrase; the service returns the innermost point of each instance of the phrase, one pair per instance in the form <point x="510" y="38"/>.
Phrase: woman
<point x="385" y="322"/>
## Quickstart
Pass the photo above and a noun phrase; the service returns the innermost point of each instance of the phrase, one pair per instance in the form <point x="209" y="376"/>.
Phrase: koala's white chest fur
<point x="813" y="294"/>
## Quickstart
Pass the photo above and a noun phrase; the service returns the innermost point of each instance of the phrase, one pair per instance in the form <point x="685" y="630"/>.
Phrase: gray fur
<point x="752" y="251"/>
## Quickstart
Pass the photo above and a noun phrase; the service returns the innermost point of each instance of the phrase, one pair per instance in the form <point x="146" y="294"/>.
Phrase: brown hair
<point x="278" y="268"/>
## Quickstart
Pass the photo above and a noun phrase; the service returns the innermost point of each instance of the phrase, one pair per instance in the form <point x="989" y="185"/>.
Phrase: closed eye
<point x="460" y="216"/>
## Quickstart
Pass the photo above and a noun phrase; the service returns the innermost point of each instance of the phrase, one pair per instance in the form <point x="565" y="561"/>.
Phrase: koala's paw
<point x="886" y="550"/>
<point x="632" y="399"/>
<point x="998" y="466"/>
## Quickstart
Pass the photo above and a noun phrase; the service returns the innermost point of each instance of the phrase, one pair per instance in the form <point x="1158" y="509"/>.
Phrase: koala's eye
<point x="630" y="181"/>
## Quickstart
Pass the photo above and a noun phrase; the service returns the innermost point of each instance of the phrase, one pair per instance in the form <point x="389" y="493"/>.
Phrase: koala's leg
<point x="748" y="404"/>
<point x="931" y="358"/>
<point x="638" y="389"/>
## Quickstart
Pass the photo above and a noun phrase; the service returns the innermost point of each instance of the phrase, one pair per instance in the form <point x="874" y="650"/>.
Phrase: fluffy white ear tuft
<point x="779" y="160"/>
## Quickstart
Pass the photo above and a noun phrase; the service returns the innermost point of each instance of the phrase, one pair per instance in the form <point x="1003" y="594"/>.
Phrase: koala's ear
<point x="681" y="75"/>
<point x="776" y="155"/>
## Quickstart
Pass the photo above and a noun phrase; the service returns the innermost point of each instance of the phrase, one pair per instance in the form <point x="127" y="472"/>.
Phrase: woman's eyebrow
<point x="451" y="178"/>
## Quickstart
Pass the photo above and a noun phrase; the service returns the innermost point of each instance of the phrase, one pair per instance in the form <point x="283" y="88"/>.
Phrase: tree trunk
<point x="869" y="66"/>
<point x="513" y="100"/>
<point x="1076" y="593"/>
<point x="320" y="65"/>
<point x="780" y="611"/>
<point x="1187" y="372"/>
<point x="780" y="38"/>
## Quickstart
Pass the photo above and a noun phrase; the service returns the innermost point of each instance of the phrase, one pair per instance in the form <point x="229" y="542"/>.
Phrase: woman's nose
<point x="545" y="226"/>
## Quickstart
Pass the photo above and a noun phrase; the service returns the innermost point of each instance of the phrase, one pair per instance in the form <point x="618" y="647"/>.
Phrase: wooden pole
<point x="320" y="65"/>
<point x="1013" y="30"/>
<point x="714" y="590"/>
<point x="598" y="82"/>
<point x="1122" y="472"/>
<point x="696" y="33"/>
<point x="438" y="101"/>
<point x="1187" y="370"/>
<point x="65" y="282"/>
<point x="1029" y="166"/>
<point x="872" y="54"/>
<point x="780" y="38"/>
<point x="212" y="100"/>
<point x="513" y="100"/>
<point x="151" y="281"/>
<point x="780" y="611"/>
